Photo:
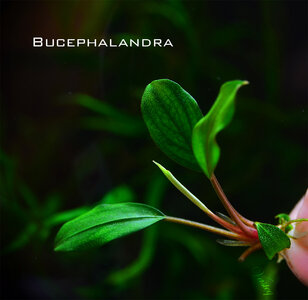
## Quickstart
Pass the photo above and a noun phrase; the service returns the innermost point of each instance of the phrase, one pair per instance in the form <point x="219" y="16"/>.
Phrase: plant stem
<point x="196" y="201"/>
<point x="249" y="251"/>
<point x="246" y="221"/>
<point x="249" y="230"/>
<point x="293" y="221"/>
<point x="216" y="230"/>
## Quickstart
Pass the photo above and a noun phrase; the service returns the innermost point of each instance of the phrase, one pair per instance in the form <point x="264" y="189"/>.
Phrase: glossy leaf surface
<point x="272" y="238"/>
<point x="170" y="114"/>
<point x="204" y="143"/>
<point x="104" y="223"/>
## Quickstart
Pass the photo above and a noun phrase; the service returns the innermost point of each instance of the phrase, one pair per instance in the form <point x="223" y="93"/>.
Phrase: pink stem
<point x="248" y="251"/>
<point x="248" y="230"/>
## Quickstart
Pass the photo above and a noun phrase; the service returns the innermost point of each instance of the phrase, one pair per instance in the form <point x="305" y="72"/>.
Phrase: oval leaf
<point x="104" y="223"/>
<point x="204" y="143"/>
<point x="272" y="238"/>
<point x="170" y="114"/>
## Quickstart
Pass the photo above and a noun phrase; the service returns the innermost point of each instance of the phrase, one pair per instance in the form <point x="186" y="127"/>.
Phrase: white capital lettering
<point x="123" y="43"/>
<point x="157" y="42"/>
<point x="144" y="44"/>
<point x="112" y="45"/>
<point x="168" y="43"/>
<point x="37" y="42"/>
<point x="80" y="42"/>
<point x="93" y="43"/>
<point x="102" y="43"/>
<point x="59" y="44"/>
<point x="70" y="43"/>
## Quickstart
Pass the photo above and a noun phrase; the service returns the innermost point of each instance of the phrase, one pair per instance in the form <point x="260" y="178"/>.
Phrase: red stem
<point x="246" y="229"/>
<point x="224" y="223"/>
<point x="248" y="251"/>
<point x="246" y="221"/>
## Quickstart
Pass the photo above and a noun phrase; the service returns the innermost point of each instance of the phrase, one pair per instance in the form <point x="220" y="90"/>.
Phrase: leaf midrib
<point x="106" y="223"/>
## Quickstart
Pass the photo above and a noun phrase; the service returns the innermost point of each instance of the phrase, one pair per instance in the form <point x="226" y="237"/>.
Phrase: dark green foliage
<point x="170" y="114"/>
<point x="263" y="149"/>
<point x="272" y="238"/>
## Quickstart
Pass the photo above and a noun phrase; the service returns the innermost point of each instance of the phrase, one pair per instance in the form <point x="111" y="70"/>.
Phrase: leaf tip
<point x="153" y="85"/>
<point x="57" y="248"/>
<point x="160" y="166"/>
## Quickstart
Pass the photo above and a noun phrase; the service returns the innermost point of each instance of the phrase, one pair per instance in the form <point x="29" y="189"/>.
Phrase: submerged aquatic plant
<point x="179" y="129"/>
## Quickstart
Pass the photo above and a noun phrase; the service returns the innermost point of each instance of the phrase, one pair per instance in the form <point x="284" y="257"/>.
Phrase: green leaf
<point x="65" y="216"/>
<point x="282" y="218"/>
<point x="22" y="239"/>
<point x="204" y="143"/>
<point x="272" y="238"/>
<point x="183" y="189"/>
<point x="96" y="105"/>
<point x="105" y="223"/>
<point x="154" y="194"/>
<point x="109" y="119"/>
<point x="170" y="114"/>
<point x="120" y="194"/>
<point x="130" y="127"/>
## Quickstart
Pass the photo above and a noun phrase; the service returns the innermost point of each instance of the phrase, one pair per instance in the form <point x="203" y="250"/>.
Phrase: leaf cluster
<point x="178" y="127"/>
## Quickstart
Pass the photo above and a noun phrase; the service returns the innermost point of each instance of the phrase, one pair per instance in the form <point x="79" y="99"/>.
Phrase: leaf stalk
<point x="196" y="201"/>
<point x="250" y="250"/>
<point x="205" y="227"/>
<point x="247" y="229"/>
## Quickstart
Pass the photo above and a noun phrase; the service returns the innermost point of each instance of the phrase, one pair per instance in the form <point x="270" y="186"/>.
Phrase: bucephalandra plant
<point x="179" y="129"/>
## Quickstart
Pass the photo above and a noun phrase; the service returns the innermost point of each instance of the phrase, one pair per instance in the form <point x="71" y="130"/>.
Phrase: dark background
<point x="57" y="155"/>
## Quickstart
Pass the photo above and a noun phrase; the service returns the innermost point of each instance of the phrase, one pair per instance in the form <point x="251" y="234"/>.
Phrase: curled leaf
<point x="204" y="143"/>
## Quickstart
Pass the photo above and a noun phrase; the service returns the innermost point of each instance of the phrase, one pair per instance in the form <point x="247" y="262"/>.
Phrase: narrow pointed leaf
<point x="105" y="223"/>
<point x="170" y="114"/>
<point x="232" y="243"/>
<point x="272" y="238"/>
<point x="204" y="143"/>
<point x="226" y="218"/>
<point x="183" y="189"/>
